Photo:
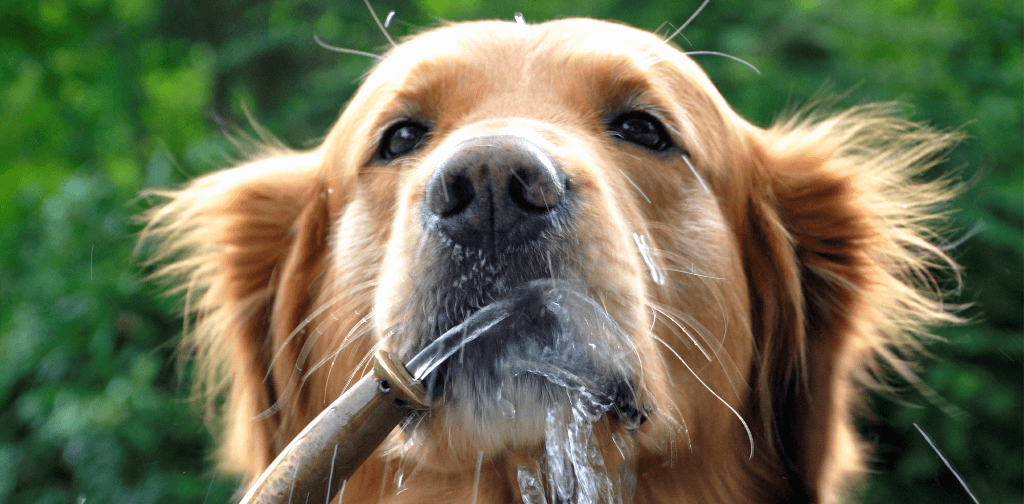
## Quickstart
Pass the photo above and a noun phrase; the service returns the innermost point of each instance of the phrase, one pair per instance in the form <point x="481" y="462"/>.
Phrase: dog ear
<point x="245" y="246"/>
<point x="839" y="252"/>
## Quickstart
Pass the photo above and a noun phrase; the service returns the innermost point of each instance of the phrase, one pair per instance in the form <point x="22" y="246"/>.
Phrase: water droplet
<point x="399" y="483"/>
<point x="530" y="487"/>
<point x="508" y="410"/>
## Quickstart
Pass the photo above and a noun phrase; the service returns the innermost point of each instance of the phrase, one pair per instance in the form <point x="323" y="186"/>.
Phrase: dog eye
<point x="641" y="129"/>
<point x="401" y="139"/>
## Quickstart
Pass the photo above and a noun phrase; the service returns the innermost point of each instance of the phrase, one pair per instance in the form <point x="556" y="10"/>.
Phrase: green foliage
<point x="100" y="99"/>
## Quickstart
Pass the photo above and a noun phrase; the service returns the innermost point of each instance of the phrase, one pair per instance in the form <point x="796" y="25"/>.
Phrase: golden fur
<point x="795" y="260"/>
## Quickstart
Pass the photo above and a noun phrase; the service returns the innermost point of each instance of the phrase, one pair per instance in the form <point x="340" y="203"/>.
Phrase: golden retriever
<point x="737" y="288"/>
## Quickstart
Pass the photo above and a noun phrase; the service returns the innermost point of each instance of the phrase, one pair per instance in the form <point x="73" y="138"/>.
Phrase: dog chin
<point x="515" y="417"/>
<point x="556" y="358"/>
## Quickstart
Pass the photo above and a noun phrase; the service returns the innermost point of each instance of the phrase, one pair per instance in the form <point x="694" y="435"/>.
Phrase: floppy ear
<point x="838" y="251"/>
<point x="245" y="245"/>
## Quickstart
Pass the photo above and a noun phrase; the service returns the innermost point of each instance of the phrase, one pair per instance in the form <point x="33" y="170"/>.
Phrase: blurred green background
<point x="102" y="98"/>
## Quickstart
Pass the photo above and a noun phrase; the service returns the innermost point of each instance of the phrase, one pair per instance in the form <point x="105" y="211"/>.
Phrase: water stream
<point x="584" y="358"/>
<point x="572" y="467"/>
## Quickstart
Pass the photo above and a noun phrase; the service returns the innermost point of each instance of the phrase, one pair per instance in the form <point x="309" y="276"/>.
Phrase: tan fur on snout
<point x="759" y="276"/>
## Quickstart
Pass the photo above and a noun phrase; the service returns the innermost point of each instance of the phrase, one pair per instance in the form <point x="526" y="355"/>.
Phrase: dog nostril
<point x="451" y="195"/>
<point x="532" y="192"/>
<point x="494" y="191"/>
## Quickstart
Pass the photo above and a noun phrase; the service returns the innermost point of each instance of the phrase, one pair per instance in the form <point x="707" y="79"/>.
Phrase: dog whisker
<point x="716" y="53"/>
<point x="476" y="476"/>
<point x="638" y="190"/>
<point x="676" y="323"/>
<point x="679" y="263"/>
<point x="750" y="435"/>
<point x="359" y="330"/>
<point x="661" y="355"/>
<point x="716" y="293"/>
<point x="721" y="353"/>
<point x="299" y="329"/>
<point x="672" y="26"/>
<point x="692" y="272"/>
<point x="269" y="412"/>
<point x="345" y="50"/>
<point x="657" y="274"/>
<point x="662" y="25"/>
<point x="376" y="19"/>
<point x="687" y="23"/>
<point x="294" y="383"/>
<point x="359" y="369"/>
<point x="718" y="349"/>
<point x="686" y="159"/>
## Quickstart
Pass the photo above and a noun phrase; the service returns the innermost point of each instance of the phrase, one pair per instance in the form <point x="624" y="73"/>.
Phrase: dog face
<point x="697" y="301"/>
<point x="543" y="171"/>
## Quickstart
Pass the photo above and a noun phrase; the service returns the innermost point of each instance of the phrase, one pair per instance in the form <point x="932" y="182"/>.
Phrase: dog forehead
<point x="507" y="51"/>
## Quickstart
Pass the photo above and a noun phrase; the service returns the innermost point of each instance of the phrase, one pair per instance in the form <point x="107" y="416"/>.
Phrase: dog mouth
<point x="547" y="363"/>
<point x="548" y="343"/>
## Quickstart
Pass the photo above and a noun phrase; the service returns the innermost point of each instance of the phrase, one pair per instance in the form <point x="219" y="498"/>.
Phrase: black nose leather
<point x="493" y="192"/>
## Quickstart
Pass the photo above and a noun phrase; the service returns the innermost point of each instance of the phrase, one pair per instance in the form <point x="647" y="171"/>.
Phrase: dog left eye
<point x="401" y="139"/>
<point x="642" y="129"/>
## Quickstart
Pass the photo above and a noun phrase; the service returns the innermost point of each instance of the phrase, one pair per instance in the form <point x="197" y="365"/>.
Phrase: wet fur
<point x="798" y="262"/>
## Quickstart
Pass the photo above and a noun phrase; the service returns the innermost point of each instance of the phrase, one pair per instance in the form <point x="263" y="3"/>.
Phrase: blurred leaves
<point x="101" y="98"/>
<point x="89" y="401"/>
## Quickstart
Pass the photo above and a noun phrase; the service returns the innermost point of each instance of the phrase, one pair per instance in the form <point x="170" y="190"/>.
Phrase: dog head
<point x="693" y="303"/>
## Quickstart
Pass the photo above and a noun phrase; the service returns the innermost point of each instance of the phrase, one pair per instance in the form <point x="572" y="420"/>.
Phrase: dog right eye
<point x="401" y="139"/>
<point x="641" y="129"/>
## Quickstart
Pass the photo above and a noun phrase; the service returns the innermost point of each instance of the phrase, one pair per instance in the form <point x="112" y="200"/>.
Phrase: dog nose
<point x="495" y="191"/>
